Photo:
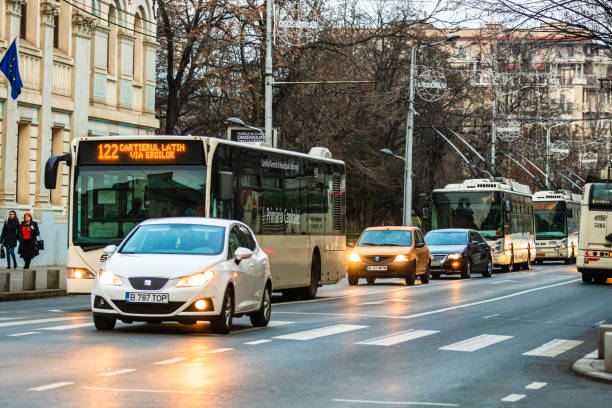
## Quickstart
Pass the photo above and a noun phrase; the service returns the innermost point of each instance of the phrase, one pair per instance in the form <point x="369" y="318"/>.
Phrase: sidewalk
<point x="37" y="282"/>
<point x="592" y="368"/>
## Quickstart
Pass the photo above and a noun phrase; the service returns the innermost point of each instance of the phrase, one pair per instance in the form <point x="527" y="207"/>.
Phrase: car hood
<point x="445" y="249"/>
<point x="381" y="250"/>
<point x="159" y="265"/>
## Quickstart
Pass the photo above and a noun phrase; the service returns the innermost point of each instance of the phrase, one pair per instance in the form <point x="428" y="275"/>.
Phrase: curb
<point x="31" y="294"/>
<point x="592" y="369"/>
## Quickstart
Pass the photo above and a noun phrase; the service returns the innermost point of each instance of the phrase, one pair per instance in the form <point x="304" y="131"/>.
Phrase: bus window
<point x="601" y="196"/>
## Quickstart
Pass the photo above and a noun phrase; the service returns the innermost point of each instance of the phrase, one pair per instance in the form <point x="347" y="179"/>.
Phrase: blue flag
<point x="10" y="67"/>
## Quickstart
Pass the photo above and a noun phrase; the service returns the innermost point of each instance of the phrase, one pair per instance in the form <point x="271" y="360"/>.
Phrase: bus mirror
<point x="226" y="185"/>
<point x="425" y="212"/>
<point x="51" y="169"/>
<point x="570" y="213"/>
<point x="508" y="206"/>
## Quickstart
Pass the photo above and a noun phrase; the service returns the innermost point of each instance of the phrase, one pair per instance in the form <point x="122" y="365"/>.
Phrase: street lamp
<point x="493" y="129"/>
<point x="548" y="147"/>
<point x="410" y="130"/>
<point x="240" y="122"/>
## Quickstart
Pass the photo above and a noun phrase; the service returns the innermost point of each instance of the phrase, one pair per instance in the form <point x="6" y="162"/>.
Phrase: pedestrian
<point x="28" y="232"/>
<point x="9" y="238"/>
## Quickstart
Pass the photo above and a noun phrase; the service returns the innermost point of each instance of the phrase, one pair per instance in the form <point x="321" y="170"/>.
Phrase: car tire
<point x="352" y="279"/>
<point x="587" y="278"/>
<point x="261" y="318"/>
<point x="371" y="281"/>
<point x="310" y="292"/>
<point x="489" y="269"/>
<point x="223" y="323"/>
<point x="104" y="323"/>
<point x="410" y="277"/>
<point x="435" y="276"/>
<point x="600" y="280"/>
<point x="425" y="277"/>
<point x="468" y="271"/>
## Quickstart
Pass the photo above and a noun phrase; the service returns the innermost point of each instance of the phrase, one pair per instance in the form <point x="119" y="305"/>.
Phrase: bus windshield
<point x="110" y="200"/>
<point x="481" y="211"/>
<point x="550" y="219"/>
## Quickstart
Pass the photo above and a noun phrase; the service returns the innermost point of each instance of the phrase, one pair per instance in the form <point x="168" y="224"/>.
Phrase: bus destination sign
<point x="140" y="152"/>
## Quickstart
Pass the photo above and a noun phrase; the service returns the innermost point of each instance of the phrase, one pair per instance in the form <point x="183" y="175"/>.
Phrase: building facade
<point x="88" y="68"/>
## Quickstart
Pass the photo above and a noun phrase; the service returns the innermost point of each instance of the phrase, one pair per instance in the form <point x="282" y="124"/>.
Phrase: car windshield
<point x="446" y="238"/>
<point x="184" y="239"/>
<point x="386" y="238"/>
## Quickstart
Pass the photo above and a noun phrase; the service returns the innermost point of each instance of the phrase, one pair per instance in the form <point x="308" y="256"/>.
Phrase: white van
<point x="595" y="242"/>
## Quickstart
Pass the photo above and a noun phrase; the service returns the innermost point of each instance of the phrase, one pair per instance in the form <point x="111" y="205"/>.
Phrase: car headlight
<point x="353" y="257"/>
<point x="109" y="278"/>
<point x="401" y="258"/>
<point x="197" y="279"/>
<point x="79" y="273"/>
<point x="456" y="255"/>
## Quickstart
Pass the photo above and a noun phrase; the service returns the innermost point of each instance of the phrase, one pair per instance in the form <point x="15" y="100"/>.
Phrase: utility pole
<point x="408" y="152"/>
<point x="269" y="75"/>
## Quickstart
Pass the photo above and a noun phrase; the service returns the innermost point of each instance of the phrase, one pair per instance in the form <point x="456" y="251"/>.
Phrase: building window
<point x="137" y="55"/>
<point x="23" y="22"/>
<point x="56" y="32"/>
<point x="112" y="40"/>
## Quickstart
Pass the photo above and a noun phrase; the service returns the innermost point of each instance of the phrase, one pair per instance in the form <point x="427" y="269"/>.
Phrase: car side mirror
<point x="419" y="245"/>
<point x="242" y="253"/>
<point x="474" y="242"/>
<point x="350" y="244"/>
<point x="109" y="250"/>
<point x="570" y="213"/>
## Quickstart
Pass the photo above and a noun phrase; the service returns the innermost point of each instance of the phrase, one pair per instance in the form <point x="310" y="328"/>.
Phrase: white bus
<point x="595" y="241"/>
<point x="501" y="210"/>
<point x="557" y="220"/>
<point x="295" y="203"/>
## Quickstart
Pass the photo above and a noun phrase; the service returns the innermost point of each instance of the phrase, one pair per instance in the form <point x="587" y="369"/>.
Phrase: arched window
<point x="138" y="30"/>
<point x="111" y="55"/>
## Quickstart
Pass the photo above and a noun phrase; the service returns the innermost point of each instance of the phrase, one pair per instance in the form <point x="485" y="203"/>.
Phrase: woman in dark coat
<point x="9" y="238"/>
<point x="28" y="232"/>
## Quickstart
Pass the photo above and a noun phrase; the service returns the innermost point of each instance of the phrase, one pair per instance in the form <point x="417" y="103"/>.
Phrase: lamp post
<point x="240" y="122"/>
<point x="548" y="148"/>
<point x="410" y="131"/>
<point x="493" y="128"/>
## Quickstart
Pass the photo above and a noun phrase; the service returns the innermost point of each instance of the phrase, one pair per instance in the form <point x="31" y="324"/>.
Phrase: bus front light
<point x="562" y="244"/>
<point x="79" y="273"/>
<point x="498" y="246"/>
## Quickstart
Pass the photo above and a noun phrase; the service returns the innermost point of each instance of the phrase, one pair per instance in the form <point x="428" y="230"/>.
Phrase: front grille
<point x="147" y="308"/>
<point x="140" y="283"/>
<point x="439" y="258"/>
<point x="381" y="258"/>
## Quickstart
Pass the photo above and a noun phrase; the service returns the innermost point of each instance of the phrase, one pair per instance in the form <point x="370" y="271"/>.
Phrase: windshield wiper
<point x="368" y="244"/>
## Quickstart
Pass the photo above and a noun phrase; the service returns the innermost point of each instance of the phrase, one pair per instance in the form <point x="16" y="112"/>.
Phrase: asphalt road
<point x="500" y="342"/>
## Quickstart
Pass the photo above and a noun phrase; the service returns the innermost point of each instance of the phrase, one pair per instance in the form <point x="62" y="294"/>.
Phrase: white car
<point x="185" y="270"/>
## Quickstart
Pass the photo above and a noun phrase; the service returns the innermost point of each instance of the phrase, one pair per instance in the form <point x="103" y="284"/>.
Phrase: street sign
<point x="297" y="22"/>
<point x="431" y="84"/>
<point x="508" y="130"/>
<point x="247" y="135"/>
<point x="560" y="149"/>
<point x="588" y="159"/>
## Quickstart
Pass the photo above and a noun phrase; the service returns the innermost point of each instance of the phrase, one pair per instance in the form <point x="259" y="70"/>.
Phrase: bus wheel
<point x="411" y="275"/>
<point x="527" y="265"/>
<point x="510" y="266"/>
<point x="586" y="277"/>
<point x="310" y="292"/>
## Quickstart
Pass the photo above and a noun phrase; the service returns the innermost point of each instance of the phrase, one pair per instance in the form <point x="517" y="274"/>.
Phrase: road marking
<point x="68" y="326"/>
<point x="219" y="350"/>
<point x="321" y="332"/>
<point x="170" y="361"/>
<point x="553" y="348"/>
<point x="513" y="397"/>
<point x="53" y="319"/>
<point x="141" y="390"/>
<point x="118" y="372"/>
<point x="50" y="386"/>
<point x="424" y="404"/>
<point x="22" y="334"/>
<point x="476" y="343"/>
<point x="253" y="343"/>
<point x="9" y="318"/>
<point x="55" y="311"/>
<point x="398" y="337"/>
<point x="493" y="315"/>
<point x="502" y="281"/>
<point x="511" y="295"/>
<point x="276" y="323"/>
<point x="536" y="385"/>
<point x="379" y="302"/>
<point x="593" y="354"/>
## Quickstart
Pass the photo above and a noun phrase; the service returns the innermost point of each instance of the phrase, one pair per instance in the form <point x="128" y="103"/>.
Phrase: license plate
<point x="376" y="268"/>
<point x="137" y="297"/>
<point x="435" y="263"/>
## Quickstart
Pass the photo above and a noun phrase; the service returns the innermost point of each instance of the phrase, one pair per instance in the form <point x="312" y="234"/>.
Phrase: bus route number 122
<point x="108" y="151"/>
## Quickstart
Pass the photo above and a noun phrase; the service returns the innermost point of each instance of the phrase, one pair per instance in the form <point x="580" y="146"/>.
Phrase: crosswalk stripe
<point x="513" y="397"/>
<point x="117" y="372"/>
<point x="51" y="386"/>
<point x="170" y="361"/>
<point x="68" y="326"/>
<point x="476" y="343"/>
<point x="553" y="348"/>
<point x="24" y="322"/>
<point x="276" y="323"/>
<point x="321" y="332"/>
<point x="219" y="350"/>
<point x="398" y="337"/>
<point x="22" y="334"/>
<point x="536" y="385"/>
<point x="253" y="343"/>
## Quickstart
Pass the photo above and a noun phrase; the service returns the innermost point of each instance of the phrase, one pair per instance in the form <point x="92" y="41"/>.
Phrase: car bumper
<point x="449" y="267"/>
<point x="393" y="270"/>
<point x="179" y="307"/>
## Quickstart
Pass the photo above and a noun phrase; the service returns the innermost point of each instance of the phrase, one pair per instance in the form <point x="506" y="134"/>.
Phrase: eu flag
<point x="10" y="67"/>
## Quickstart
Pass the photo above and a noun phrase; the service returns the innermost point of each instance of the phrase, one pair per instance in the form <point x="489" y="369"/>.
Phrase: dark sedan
<point x="458" y="251"/>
